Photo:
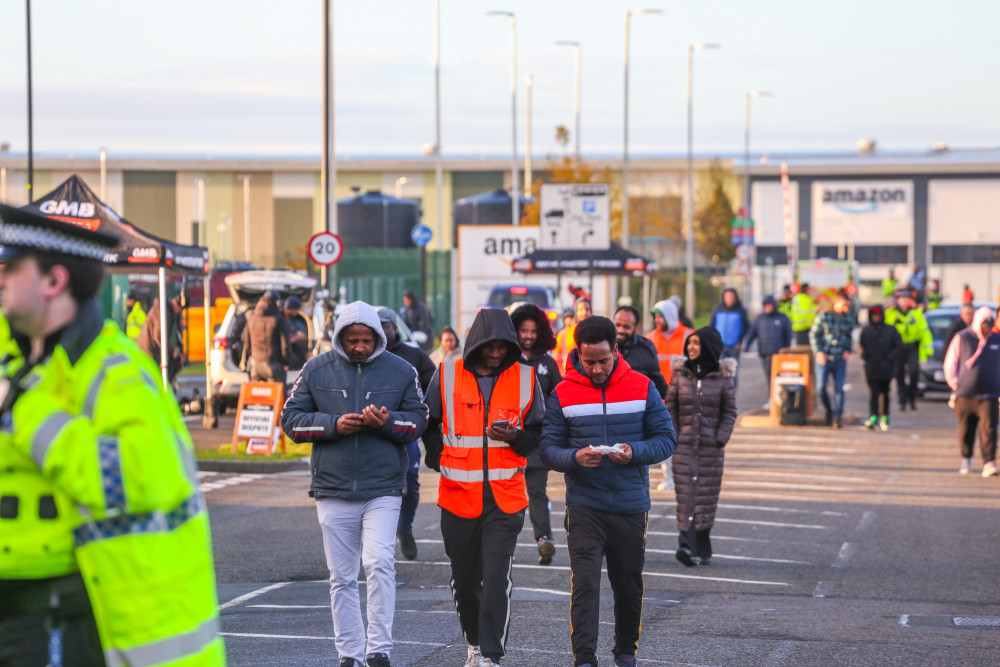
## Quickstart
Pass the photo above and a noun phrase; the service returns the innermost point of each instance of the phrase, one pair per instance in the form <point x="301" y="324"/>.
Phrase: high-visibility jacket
<point x="106" y="446"/>
<point x="912" y="328"/>
<point x="565" y="342"/>
<point x="668" y="346"/>
<point x="802" y="312"/>
<point x="889" y="286"/>
<point x="933" y="300"/>
<point x="785" y="306"/>
<point x="464" y="422"/>
<point x="133" y="323"/>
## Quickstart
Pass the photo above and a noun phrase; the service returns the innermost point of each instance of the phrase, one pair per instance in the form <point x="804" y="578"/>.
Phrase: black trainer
<point x="377" y="660"/>
<point x="349" y="662"/>
<point x="546" y="550"/>
<point x="407" y="545"/>
<point x="685" y="556"/>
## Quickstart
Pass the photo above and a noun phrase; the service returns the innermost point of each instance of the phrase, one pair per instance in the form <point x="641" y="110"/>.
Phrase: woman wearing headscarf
<point x="701" y="399"/>
<point x="449" y="350"/>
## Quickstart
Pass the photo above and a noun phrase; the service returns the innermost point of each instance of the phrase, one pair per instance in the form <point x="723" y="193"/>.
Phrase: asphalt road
<point x="832" y="548"/>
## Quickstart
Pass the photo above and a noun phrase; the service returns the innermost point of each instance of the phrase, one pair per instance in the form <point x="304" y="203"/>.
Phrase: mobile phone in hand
<point x="501" y="423"/>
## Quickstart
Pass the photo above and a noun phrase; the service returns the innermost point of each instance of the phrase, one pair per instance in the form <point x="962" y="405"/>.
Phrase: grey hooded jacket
<point x="370" y="463"/>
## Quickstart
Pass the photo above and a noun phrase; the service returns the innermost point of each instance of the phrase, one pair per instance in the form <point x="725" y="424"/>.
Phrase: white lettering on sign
<point x="68" y="208"/>
<point x="261" y="391"/>
<point x="146" y="253"/>
<point x="256" y="421"/>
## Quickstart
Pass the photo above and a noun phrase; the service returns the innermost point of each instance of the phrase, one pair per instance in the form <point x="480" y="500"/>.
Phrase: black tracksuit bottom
<point x="481" y="551"/>
<point x="878" y="397"/>
<point x="592" y="535"/>
<point x="536" y="479"/>
<point x="977" y="416"/>
<point x="907" y="374"/>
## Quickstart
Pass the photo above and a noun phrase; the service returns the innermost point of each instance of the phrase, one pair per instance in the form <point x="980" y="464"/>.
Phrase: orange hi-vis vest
<point x="668" y="346"/>
<point x="565" y="342"/>
<point x="463" y="468"/>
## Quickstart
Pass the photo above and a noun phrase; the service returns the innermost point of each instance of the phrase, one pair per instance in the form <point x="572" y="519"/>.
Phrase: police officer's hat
<point x="25" y="233"/>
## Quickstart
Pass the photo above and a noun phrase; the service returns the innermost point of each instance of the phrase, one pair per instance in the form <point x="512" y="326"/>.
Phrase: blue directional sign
<point x="421" y="235"/>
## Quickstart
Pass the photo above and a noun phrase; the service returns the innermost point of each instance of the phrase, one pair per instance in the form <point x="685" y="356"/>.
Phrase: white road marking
<point x="764" y="508"/>
<point x="542" y="590"/>
<point x="252" y="594"/>
<point x="867" y="519"/>
<point x="234" y="480"/>
<point x="254" y="635"/>
<point x="786" y="485"/>
<point x="774" y="524"/>
<point x="847" y="550"/>
<point x="658" y="533"/>
<point x="753" y="582"/>
<point x="798" y="457"/>
<point x="288" y="606"/>
<point x="765" y="472"/>
<point x="823" y="589"/>
<point x="765" y="496"/>
<point x="904" y="620"/>
<point x="736" y="444"/>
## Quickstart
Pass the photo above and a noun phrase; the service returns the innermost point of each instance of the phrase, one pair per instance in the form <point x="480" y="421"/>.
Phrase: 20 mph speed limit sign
<point x="325" y="248"/>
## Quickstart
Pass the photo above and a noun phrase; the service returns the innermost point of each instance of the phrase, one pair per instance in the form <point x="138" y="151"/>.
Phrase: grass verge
<point x="293" y="452"/>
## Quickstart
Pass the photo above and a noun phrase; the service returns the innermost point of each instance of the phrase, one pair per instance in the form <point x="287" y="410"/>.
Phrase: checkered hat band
<point x="46" y="240"/>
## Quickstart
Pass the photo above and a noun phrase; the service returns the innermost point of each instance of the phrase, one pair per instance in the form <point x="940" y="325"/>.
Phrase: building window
<point x="981" y="253"/>
<point x="777" y="253"/>
<point x="869" y="254"/>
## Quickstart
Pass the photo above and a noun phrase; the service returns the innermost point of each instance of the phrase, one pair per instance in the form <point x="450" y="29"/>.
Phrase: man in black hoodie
<point x="534" y="335"/>
<point x="419" y="318"/>
<point x="486" y="414"/>
<point x="425" y="371"/>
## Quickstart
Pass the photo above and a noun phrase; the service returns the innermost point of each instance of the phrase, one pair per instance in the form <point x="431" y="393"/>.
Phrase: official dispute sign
<point x="258" y="412"/>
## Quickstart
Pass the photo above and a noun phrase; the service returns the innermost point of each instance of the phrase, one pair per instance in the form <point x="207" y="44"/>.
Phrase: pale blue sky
<point x="244" y="77"/>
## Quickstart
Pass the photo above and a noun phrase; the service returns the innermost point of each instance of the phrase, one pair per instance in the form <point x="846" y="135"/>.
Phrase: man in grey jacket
<point x="360" y="407"/>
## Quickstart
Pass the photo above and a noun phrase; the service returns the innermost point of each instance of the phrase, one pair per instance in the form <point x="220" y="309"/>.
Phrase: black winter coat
<point x="641" y="355"/>
<point x="704" y="414"/>
<point x="880" y="350"/>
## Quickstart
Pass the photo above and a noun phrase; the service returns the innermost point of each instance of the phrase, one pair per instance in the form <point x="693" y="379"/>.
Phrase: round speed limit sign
<point x="325" y="248"/>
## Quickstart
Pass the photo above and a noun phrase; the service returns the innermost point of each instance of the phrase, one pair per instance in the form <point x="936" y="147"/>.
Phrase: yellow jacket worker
<point x="105" y="553"/>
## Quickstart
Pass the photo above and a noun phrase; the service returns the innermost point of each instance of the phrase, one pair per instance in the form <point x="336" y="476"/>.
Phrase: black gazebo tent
<point x="137" y="252"/>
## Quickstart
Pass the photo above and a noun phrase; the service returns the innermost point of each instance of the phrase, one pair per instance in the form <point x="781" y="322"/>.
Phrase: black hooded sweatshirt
<point x="490" y="324"/>
<point x="711" y="349"/>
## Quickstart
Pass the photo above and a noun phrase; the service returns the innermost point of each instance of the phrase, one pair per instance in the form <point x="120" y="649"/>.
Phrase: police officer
<point x="105" y="552"/>
<point x="136" y="316"/>
<point x="802" y="312"/>
<point x="917" y="346"/>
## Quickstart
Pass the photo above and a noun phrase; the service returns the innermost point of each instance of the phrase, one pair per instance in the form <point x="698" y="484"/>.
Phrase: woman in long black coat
<point x="701" y="399"/>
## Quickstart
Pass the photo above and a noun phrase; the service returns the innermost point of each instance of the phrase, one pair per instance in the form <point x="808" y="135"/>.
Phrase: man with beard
<point x="534" y="335"/>
<point x="425" y="371"/>
<point x="639" y="352"/>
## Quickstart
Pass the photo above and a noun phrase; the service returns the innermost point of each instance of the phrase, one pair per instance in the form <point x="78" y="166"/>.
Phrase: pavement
<point x="846" y="547"/>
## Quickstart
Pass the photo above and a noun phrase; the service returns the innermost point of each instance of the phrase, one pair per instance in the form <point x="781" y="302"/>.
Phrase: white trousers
<point x="365" y="531"/>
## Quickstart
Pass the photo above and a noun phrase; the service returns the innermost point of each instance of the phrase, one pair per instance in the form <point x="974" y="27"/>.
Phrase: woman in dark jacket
<point x="702" y="403"/>
<point x="881" y="347"/>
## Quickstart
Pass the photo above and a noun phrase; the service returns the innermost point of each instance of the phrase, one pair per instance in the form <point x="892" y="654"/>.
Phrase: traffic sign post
<point x="325" y="249"/>
<point x="421" y="236"/>
<point x="575" y="216"/>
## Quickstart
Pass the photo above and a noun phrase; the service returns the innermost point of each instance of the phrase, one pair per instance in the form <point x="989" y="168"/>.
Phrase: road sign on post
<point x="575" y="216"/>
<point x="325" y="249"/>
<point x="421" y="235"/>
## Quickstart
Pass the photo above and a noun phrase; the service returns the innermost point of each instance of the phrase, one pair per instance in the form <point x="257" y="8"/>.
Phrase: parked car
<point x="543" y="296"/>
<point x="245" y="289"/>
<point x="932" y="370"/>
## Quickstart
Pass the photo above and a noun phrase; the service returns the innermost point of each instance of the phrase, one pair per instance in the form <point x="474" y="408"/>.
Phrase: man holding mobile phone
<point x="486" y="414"/>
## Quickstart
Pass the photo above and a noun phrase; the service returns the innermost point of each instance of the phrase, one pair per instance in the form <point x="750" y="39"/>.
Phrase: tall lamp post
<point x="576" y="90"/>
<point x="752" y="260"/>
<point x="628" y="23"/>
<point x="31" y="133"/>
<point x="438" y="167"/>
<point x="515" y="203"/>
<point x="689" y="208"/>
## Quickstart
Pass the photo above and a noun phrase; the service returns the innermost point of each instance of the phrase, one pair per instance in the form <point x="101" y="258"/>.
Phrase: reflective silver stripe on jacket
<point x="165" y="650"/>
<point x="135" y="524"/>
<point x="94" y="390"/>
<point x="471" y="441"/>
<point x="47" y="432"/>
<point x="524" y="391"/>
<point x="470" y="476"/>
<point x="448" y="385"/>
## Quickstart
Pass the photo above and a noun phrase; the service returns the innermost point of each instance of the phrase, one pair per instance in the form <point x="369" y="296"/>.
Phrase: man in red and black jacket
<point x="602" y="402"/>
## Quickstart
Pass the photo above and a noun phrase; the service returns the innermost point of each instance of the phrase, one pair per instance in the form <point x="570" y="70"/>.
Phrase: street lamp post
<point x="400" y="182"/>
<point x="689" y="207"/>
<point x="514" y="195"/>
<point x="628" y="22"/>
<point x="752" y="260"/>
<point x="577" y="65"/>
<point x="438" y="167"/>
<point x="527" y="136"/>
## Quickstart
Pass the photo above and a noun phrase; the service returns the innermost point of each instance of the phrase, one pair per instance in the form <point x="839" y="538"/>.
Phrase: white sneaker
<point x="488" y="663"/>
<point x="475" y="657"/>
<point x="990" y="469"/>
<point x="966" y="467"/>
<point x="767" y="405"/>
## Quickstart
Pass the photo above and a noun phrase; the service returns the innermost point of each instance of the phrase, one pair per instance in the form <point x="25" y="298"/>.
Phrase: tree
<point x="714" y="217"/>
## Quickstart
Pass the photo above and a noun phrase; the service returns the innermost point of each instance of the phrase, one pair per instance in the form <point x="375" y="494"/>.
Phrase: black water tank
<point x="488" y="208"/>
<point x="374" y="220"/>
